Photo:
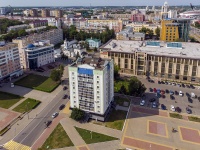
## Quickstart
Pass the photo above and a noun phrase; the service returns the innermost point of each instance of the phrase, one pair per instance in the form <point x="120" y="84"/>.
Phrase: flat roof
<point x="188" y="50"/>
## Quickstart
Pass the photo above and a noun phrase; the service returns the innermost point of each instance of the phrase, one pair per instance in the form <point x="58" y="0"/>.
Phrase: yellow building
<point x="138" y="26"/>
<point x="169" y="31"/>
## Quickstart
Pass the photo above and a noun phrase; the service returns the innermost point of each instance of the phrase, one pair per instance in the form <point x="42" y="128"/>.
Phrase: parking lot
<point x="175" y="99"/>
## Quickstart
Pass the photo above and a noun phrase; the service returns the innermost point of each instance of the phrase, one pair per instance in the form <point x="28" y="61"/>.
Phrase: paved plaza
<point x="149" y="129"/>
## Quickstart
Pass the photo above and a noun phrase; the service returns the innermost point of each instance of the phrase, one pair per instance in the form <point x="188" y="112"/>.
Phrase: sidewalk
<point x="16" y="104"/>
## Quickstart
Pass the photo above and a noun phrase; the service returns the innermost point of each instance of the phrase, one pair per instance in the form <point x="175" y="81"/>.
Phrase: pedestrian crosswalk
<point x="12" y="145"/>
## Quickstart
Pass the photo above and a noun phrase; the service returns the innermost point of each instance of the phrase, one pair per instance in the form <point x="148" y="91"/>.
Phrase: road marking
<point x="12" y="145"/>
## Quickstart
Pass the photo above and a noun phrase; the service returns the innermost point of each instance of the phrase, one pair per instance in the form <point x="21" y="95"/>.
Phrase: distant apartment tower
<point x="58" y="13"/>
<point x="45" y="13"/>
<point x="9" y="61"/>
<point x="33" y="12"/>
<point x="36" y="55"/>
<point x="174" y="29"/>
<point x="139" y="17"/>
<point x="91" y="82"/>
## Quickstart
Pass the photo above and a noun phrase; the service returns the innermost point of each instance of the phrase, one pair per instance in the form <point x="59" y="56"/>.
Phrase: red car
<point x="162" y="92"/>
<point x="154" y="90"/>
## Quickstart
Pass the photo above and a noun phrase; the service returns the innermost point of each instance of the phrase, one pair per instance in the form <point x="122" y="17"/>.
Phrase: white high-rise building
<point x="91" y="82"/>
<point x="165" y="7"/>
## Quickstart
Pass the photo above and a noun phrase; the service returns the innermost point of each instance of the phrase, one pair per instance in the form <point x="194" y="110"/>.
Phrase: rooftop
<point x="96" y="63"/>
<point x="171" y="49"/>
<point x="7" y="46"/>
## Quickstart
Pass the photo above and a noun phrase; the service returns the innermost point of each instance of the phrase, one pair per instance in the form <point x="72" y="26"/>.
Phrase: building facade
<point x="18" y="27"/>
<point x="91" y="82"/>
<point x="5" y="10"/>
<point x="168" y="61"/>
<point x="93" y="43"/>
<point x="33" y="12"/>
<point x="173" y="29"/>
<point x="36" y="55"/>
<point x="139" y="17"/>
<point x="38" y="23"/>
<point x="45" y="13"/>
<point x="9" y="61"/>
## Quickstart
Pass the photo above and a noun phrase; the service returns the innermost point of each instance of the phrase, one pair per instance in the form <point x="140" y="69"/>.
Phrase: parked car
<point x="188" y="110"/>
<point x="152" y="100"/>
<point x="180" y="93"/>
<point x="64" y="96"/>
<point x="166" y="82"/>
<point x="158" y="95"/>
<point x="167" y="91"/>
<point x="162" y="92"/>
<point x="190" y="100"/>
<point x="179" y="85"/>
<point x="48" y="123"/>
<point x="172" y="108"/>
<point x="174" y="84"/>
<point x="159" y="82"/>
<point x="169" y="83"/>
<point x="188" y="86"/>
<point x="162" y="82"/>
<point x="192" y="86"/>
<point x="178" y="109"/>
<point x="154" y="90"/>
<point x="176" y="93"/>
<point x="187" y="94"/>
<point x="142" y="102"/>
<point x="163" y="96"/>
<point x="61" y="106"/>
<point x="154" y="104"/>
<point x="171" y="92"/>
<point x="150" y="90"/>
<point x="65" y="87"/>
<point x="54" y="115"/>
<point x="172" y="97"/>
<point x="193" y="95"/>
<point x="148" y="78"/>
<point x="183" y="85"/>
<point x="163" y="107"/>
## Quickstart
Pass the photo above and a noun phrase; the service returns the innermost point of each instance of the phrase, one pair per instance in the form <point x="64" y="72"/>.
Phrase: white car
<point x="154" y="104"/>
<point x="174" y="84"/>
<point x="54" y="115"/>
<point x="180" y="93"/>
<point x="142" y="102"/>
<point x="193" y="95"/>
<point x="172" y="108"/>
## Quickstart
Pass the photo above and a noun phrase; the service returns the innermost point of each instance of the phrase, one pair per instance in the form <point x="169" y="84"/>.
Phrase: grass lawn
<point x="116" y="119"/>
<point x="120" y="101"/>
<point x="175" y="115"/>
<point x="57" y="139"/>
<point x="8" y="99"/>
<point x="96" y="137"/>
<point x="195" y="119"/>
<point x="27" y="105"/>
<point x="38" y="82"/>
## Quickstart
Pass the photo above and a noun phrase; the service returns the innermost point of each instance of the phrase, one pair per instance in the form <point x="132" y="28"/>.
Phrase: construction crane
<point x="11" y="11"/>
<point x="191" y="6"/>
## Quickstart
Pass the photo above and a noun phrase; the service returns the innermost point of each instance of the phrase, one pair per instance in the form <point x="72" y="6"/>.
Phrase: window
<point x="97" y="91"/>
<point x="98" y="77"/>
<point x="97" y="87"/>
<point x="97" y="81"/>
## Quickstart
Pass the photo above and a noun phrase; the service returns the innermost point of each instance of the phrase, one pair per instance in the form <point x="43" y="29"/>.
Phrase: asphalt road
<point x="32" y="132"/>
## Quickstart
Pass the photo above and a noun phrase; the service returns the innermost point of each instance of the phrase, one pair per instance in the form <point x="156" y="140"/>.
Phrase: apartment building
<point x="138" y="26"/>
<point x="91" y="82"/>
<point x="55" y="36"/>
<point x="121" y="16"/>
<point x="45" y="13"/>
<point x="9" y="61"/>
<point x="116" y="25"/>
<point x="58" y="13"/>
<point x="128" y="34"/>
<point x="38" y="23"/>
<point x="33" y="12"/>
<point x="93" y="43"/>
<point x="91" y="29"/>
<point x="36" y="55"/>
<point x="18" y="27"/>
<point x="139" y="17"/>
<point x="173" y="29"/>
<point x="168" y="61"/>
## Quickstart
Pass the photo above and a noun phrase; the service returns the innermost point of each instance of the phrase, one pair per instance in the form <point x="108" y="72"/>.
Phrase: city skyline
<point x="96" y="3"/>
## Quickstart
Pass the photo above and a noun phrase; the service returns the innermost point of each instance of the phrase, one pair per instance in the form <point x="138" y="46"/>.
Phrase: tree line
<point x="72" y="33"/>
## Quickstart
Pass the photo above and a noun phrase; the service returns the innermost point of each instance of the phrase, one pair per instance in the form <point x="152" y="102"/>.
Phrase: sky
<point x="95" y="2"/>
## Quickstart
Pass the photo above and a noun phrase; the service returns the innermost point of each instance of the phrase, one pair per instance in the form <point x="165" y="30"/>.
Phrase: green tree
<point x="95" y="49"/>
<point x="116" y="71"/>
<point x="77" y="114"/>
<point x="123" y="89"/>
<point x="55" y="75"/>
<point x="136" y="87"/>
<point x="157" y="32"/>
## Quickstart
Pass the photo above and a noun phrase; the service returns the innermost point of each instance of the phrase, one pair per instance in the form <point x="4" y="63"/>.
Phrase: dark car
<point x="188" y="86"/>
<point x="167" y="91"/>
<point x="192" y="86"/>
<point x="183" y="85"/>
<point x="178" y="109"/>
<point x="172" y="97"/>
<point x="48" y="123"/>
<point x="152" y="100"/>
<point x="64" y="96"/>
<point x="162" y="82"/>
<point x="166" y="82"/>
<point x="159" y="82"/>
<point x="61" y="106"/>
<point x="150" y="80"/>
<point x="163" y="96"/>
<point x="163" y="107"/>
<point x="64" y="88"/>
<point x="190" y="100"/>
<point x="187" y="94"/>
<point x="176" y="93"/>
<point x="150" y="90"/>
<point x="188" y="110"/>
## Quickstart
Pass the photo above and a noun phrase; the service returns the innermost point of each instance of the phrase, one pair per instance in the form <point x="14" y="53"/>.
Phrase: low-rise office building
<point x="36" y="55"/>
<point x="9" y="61"/>
<point x="170" y="61"/>
<point x="91" y="82"/>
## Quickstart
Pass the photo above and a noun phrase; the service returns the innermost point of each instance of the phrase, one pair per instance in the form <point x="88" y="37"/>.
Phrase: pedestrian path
<point x="66" y="110"/>
<point x="12" y="145"/>
<point x="16" y="104"/>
